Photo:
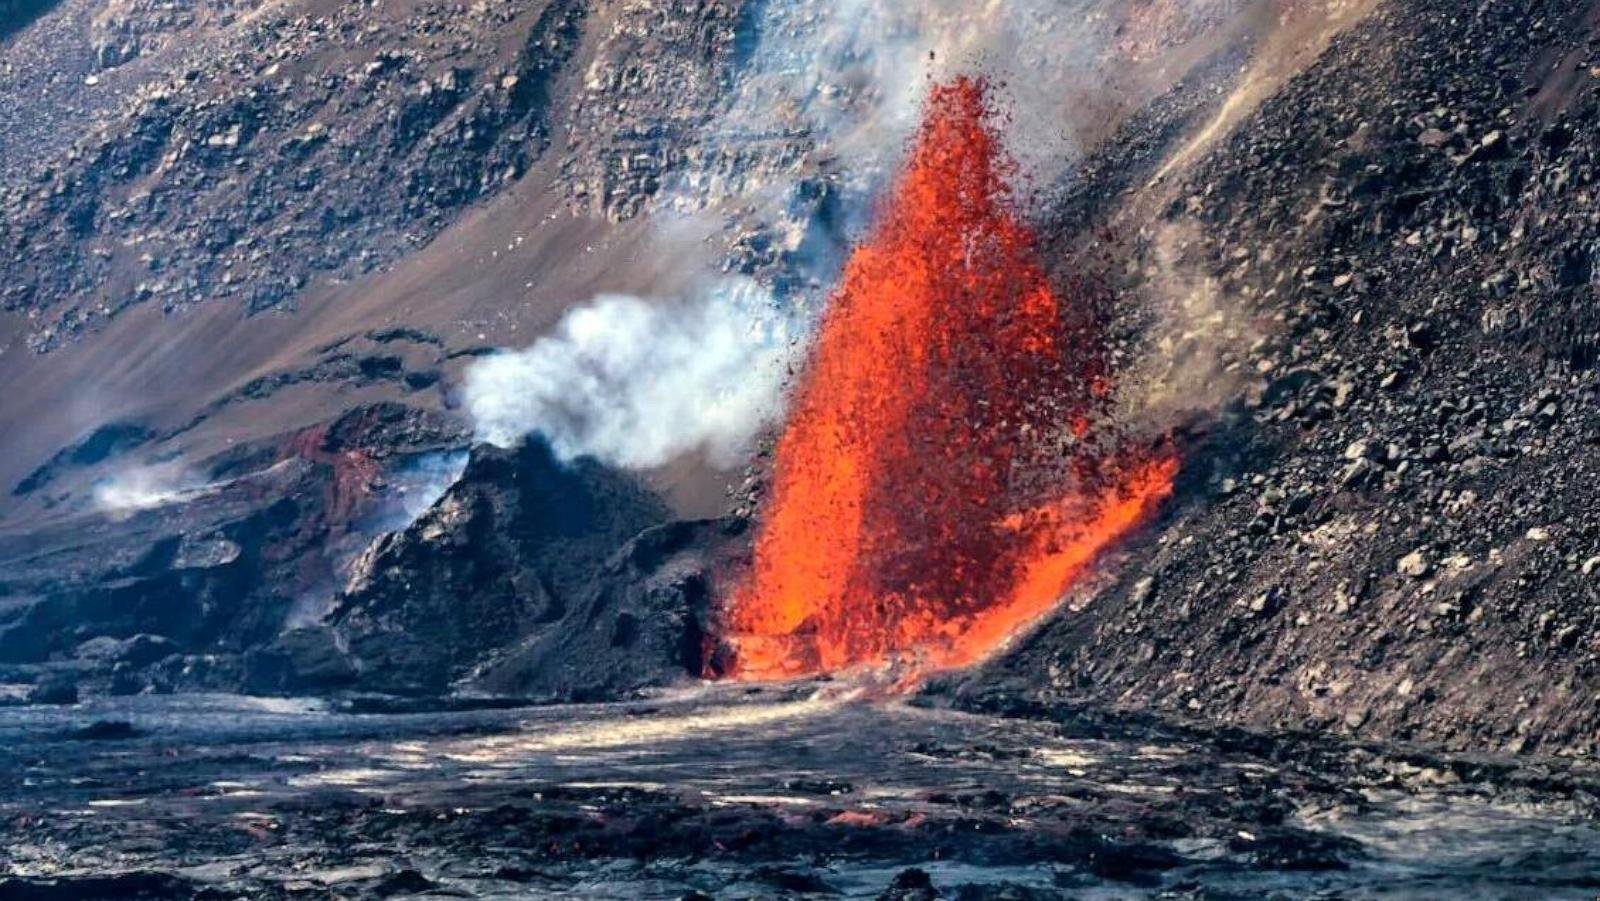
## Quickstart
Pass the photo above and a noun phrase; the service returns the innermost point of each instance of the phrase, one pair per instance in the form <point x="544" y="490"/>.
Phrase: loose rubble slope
<point x="1393" y="530"/>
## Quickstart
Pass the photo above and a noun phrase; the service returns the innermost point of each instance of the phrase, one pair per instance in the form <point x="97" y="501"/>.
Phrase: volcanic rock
<point x="58" y="690"/>
<point x="504" y="555"/>
<point x="206" y="574"/>
<point x="305" y="660"/>
<point x="911" y="885"/>
<point x="154" y="578"/>
<point x="131" y="886"/>
<point x="646" y="621"/>
<point x="1415" y="565"/>
<point x="136" y="651"/>
<point x="1395" y="249"/>
<point x="105" y="730"/>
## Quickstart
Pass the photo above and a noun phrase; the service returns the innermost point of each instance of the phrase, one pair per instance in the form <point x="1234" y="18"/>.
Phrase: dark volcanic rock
<point x="100" y="445"/>
<point x="300" y="661"/>
<point x="506" y="553"/>
<point x="644" y="622"/>
<point x="54" y="689"/>
<point x="136" y="886"/>
<point x="174" y="592"/>
<point x="105" y="730"/>
<point x="137" y="651"/>
<point x="197" y="672"/>
<point x="911" y="885"/>
<point x="16" y="13"/>
<point x="191" y="574"/>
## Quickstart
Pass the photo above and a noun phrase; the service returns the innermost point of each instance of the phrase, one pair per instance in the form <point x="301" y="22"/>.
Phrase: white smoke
<point x="844" y="80"/>
<point x="417" y="486"/>
<point x="139" y="488"/>
<point x="637" y="383"/>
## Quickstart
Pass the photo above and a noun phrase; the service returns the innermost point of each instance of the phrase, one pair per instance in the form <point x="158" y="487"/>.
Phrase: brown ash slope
<point x="245" y="178"/>
<point x="1395" y="531"/>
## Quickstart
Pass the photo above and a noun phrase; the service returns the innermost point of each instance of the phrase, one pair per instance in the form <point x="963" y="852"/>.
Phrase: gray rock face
<point x="137" y="651"/>
<point x="179" y="574"/>
<point x="301" y="661"/>
<point x="505" y="554"/>
<point x="646" y="620"/>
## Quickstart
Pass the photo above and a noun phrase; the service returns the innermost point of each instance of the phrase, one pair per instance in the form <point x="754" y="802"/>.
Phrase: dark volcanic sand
<point x="781" y="792"/>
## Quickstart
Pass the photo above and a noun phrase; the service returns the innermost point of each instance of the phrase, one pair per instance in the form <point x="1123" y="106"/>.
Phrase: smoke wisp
<point x="637" y="383"/>
<point x="139" y="488"/>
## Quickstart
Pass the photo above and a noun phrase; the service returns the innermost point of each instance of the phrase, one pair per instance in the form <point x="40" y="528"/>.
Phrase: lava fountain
<point x="943" y="477"/>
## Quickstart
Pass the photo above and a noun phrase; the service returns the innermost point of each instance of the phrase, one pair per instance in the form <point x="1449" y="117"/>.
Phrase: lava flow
<point x="939" y="483"/>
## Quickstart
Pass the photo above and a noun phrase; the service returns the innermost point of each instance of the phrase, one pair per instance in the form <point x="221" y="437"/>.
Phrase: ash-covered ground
<point x="810" y="790"/>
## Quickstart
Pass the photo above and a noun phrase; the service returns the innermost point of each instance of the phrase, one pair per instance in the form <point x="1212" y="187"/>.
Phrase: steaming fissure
<point x="948" y="469"/>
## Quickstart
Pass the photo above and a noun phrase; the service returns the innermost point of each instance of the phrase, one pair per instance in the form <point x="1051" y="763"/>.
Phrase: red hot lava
<point x="934" y="488"/>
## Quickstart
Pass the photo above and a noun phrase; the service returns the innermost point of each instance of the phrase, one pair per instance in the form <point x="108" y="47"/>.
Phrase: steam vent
<point x="719" y="450"/>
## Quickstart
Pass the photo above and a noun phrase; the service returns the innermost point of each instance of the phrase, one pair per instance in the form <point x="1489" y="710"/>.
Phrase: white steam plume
<point x="843" y="80"/>
<point x="138" y="488"/>
<point x="636" y="383"/>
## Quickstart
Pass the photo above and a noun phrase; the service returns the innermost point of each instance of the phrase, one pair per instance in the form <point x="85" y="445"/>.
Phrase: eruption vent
<point x="937" y="485"/>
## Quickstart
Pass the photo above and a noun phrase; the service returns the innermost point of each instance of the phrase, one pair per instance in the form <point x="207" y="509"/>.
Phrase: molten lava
<point x="938" y="484"/>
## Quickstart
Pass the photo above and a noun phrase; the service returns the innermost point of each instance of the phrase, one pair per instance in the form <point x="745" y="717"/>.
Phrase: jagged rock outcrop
<point x="506" y="553"/>
<point x="205" y="567"/>
<point x="647" y="620"/>
<point x="202" y="579"/>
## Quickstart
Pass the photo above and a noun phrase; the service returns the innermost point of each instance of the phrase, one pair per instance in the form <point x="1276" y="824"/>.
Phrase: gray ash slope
<point x="1395" y="531"/>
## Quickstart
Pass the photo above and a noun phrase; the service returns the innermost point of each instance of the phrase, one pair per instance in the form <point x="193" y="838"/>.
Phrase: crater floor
<point x="742" y="792"/>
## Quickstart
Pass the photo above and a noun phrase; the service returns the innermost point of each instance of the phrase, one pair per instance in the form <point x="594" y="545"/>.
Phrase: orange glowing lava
<point x="938" y="484"/>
